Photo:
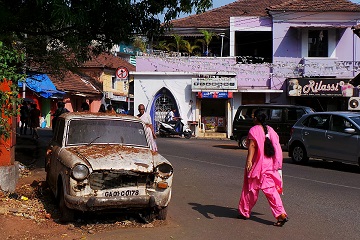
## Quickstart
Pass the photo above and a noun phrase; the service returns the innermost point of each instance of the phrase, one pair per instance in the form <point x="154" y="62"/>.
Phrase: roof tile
<point x="220" y="17"/>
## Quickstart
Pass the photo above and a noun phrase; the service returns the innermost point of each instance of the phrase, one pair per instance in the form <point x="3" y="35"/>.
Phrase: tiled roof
<point x="317" y="6"/>
<point x="71" y="82"/>
<point x="105" y="60"/>
<point x="220" y="17"/>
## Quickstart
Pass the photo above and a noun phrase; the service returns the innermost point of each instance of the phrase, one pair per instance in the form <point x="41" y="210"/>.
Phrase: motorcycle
<point x="167" y="129"/>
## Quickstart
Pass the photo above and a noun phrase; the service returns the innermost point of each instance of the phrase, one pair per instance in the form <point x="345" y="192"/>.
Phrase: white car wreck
<point x="99" y="161"/>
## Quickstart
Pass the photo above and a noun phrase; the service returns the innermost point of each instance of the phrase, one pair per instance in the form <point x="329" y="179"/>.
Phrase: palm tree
<point x="162" y="45"/>
<point x="140" y="43"/>
<point x="179" y="42"/>
<point x="189" y="48"/>
<point x="207" y="39"/>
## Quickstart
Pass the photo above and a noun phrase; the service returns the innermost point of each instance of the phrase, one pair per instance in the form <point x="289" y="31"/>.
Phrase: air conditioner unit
<point x="354" y="103"/>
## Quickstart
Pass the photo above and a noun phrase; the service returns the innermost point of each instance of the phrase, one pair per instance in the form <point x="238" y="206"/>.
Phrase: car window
<point x="356" y="120"/>
<point x="246" y="113"/>
<point x="318" y="121"/>
<point x="275" y="114"/>
<point x="295" y="113"/>
<point x="105" y="131"/>
<point x="60" y="131"/>
<point x="339" y="123"/>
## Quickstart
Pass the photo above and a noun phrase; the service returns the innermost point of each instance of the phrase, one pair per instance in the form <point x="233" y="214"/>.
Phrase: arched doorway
<point x="163" y="102"/>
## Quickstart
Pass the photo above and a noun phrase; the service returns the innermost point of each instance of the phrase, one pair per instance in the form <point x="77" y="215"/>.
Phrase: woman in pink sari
<point x="149" y="131"/>
<point x="263" y="161"/>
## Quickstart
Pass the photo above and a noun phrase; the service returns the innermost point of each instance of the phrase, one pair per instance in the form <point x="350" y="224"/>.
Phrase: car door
<point x="341" y="145"/>
<point x="314" y="134"/>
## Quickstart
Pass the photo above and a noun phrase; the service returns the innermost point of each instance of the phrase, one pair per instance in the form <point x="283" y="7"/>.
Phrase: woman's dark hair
<point x="260" y="116"/>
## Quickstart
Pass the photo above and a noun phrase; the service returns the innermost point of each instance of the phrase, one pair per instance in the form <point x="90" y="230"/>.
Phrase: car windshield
<point x="356" y="120"/>
<point x="106" y="131"/>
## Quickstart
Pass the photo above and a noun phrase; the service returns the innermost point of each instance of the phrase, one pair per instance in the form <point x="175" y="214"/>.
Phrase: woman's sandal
<point x="282" y="219"/>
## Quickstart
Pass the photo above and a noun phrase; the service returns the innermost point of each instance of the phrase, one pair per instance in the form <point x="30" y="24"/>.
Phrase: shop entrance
<point x="213" y="114"/>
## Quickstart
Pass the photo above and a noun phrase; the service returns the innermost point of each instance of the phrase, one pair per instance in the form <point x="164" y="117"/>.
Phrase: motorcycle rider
<point x="172" y="119"/>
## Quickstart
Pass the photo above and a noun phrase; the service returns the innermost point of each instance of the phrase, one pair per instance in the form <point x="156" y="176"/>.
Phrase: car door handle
<point x="329" y="137"/>
<point x="306" y="133"/>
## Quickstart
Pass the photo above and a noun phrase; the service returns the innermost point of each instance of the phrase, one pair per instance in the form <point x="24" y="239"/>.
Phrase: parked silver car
<point x="99" y="161"/>
<point x="326" y="135"/>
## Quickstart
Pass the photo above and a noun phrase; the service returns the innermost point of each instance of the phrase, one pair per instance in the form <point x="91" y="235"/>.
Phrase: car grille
<point x="101" y="180"/>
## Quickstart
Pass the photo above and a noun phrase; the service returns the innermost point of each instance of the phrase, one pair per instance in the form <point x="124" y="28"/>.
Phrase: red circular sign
<point x="122" y="72"/>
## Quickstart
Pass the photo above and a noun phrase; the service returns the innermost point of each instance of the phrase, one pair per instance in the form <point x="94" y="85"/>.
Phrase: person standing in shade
<point x="60" y="110"/>
<point x="102" y="108"/>
<point x="264" y="159"/>
<point x="150" y="133"/>
<point x="24" y="117"/>
<point x="34" y="120"/>
<point x="85" y="107"/>
<point x="110" y="109"/>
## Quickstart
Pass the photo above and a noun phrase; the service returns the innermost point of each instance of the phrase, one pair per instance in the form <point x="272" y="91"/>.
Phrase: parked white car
<point x="99" y="161"/>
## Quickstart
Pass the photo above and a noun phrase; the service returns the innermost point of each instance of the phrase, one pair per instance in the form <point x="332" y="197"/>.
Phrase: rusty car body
<point x="98" y="161"/>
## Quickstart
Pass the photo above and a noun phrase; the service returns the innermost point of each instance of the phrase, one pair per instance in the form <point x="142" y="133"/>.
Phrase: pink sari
<point x="263" y="175"/>
<point x="264" y="172"/>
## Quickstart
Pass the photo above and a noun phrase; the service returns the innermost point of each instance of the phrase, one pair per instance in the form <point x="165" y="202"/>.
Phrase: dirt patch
<point x="31" y="212"/>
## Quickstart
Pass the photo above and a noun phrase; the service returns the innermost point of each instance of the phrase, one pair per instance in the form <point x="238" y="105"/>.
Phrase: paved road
<point x="322" y="198"/>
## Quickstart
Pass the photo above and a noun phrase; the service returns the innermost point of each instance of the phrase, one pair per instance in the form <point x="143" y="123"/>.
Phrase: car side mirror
<point x="349" y="130"/>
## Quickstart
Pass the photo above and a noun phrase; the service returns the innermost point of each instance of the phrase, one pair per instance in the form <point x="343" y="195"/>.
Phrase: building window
<point x="318" y="43"/>
<point x="113" y="82"/>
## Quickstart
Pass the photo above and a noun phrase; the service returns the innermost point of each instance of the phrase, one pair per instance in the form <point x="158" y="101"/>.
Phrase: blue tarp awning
<point x="41" y="84"/>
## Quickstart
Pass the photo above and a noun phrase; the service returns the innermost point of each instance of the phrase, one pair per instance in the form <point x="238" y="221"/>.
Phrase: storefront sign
<point x="118" y="98"/>
<point x="321" y="87"/>
<point x="209" y="83"/>
<point x="215" y="95"/>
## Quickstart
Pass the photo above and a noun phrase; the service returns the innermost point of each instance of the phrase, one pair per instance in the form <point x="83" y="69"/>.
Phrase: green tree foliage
<point x="207" y="38"/>
<point x="140" y="43"/>
<point x="162" y="45"/>
<point x="50" y="28"/>
<point x="189" y="48"/>
<point x="178" y="43"/>
<point x="60" y="34"/>
<point x="10" y="62"/>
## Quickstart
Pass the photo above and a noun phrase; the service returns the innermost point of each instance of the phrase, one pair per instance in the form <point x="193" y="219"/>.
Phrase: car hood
<point x="115" y="157"/>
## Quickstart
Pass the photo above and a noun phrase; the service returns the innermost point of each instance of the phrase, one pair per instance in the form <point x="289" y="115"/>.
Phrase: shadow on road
<point x="330" y="165"/>
<point x="226" y="146"/>
<point x="211" y="211"/>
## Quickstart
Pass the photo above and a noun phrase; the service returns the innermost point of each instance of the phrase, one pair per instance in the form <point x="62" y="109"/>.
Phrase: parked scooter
<point x="168" y="129"/>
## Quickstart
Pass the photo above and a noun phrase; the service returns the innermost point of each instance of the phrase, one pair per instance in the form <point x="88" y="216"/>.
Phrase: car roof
<point x="77" y="115"/>
<point x="340" y="113"/>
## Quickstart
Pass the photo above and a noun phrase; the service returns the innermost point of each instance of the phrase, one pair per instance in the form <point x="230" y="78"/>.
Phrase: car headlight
<point x="164" y="170"/>
<point x="80" y="172"/>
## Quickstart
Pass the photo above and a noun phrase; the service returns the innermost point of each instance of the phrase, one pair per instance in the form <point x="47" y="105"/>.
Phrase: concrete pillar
<point x="9" y="171"/>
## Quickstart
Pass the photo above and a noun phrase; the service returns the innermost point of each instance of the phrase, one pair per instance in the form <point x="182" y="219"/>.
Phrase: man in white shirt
<point x="172" y="119"/>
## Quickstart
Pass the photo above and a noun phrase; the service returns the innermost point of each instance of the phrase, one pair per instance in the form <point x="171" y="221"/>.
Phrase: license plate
<point x="123" y="193"/>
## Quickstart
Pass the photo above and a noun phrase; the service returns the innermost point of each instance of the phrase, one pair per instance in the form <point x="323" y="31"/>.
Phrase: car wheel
<point x="162" y="213"/>
<point x="243" y="142"/>
<point x="66" y="214"/>
<point x="298" y="154"/>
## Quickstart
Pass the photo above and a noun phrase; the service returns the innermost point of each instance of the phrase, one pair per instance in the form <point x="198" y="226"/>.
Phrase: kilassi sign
<point x="321" y="87"/>
<point x="213" y="83"/>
